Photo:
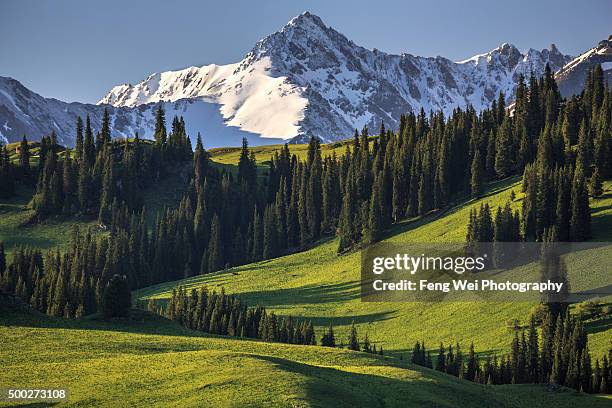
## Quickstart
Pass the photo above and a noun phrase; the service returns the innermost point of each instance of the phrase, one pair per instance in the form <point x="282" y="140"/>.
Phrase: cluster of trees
<point x="7" y="171"/>
<point x="556" y="202"/>
<point x="566" y="162"/>
<point x="329" y="340"/>
<point x="483" y="227"/>
<point x="226" y="220"/>
<point x="219" y="313"/>
<point x="555" y="199"/>
<point x="11" y="173"/>
<point x="70" y="284"/>
<point x="100" y="170"/>
<point x="557" y="354"/>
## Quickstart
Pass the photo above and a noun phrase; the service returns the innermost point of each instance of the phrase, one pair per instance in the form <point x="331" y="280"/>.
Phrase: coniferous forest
<point x="561" y="148"/>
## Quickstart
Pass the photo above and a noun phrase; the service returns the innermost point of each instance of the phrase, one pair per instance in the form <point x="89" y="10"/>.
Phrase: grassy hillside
<point x="322" y="286"/>
<point x="15" y="230"/>
<point x="153" y="361"/>
<point x="230" y="155"/>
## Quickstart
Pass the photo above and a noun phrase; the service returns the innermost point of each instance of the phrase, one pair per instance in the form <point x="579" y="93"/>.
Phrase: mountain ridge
<point x="338" y="85"/>
<point x="306" y="79"/>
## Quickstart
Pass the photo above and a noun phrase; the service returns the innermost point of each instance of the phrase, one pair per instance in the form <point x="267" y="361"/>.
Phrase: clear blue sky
<point x="77" y="50"/>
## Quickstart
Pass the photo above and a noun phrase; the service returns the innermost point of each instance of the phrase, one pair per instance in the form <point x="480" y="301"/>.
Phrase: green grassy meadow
<point x="321" y="286"/>
<point x="152" y="361"/>
<point x="230" y="155"/>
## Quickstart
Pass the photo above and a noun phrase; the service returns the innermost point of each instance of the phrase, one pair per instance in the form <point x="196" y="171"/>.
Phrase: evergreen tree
<point x="476" y="183"/>
<point x="89" y="149"/>
<point x="117" y="297"/>
<point x="503" y="150"/>
<point x="215" y="249"/>
<point x="24" y="159"/>
<point x="580" y="221"/>
<point x="160" y="133"/>
<point x="353" y="340"/>
<point x="78" y="149"/>
<point x="328" y="339"/>
<point x="595" y="184"/>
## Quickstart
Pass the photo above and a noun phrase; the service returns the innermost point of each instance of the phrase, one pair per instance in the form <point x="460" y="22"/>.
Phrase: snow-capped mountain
<point x="306" y="79"/>
<point x="571" y="77"/>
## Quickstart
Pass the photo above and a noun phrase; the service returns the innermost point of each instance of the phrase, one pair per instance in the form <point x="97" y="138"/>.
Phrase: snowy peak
<point x="571" y="77"/>
<point x="308" y="79"/>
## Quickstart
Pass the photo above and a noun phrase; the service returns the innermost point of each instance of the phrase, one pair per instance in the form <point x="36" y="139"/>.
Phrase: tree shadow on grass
<point x="325" y="321"/>
<point x="412" y="386"/>
<point x="600" y="209"/>
<point x="304" y="295"/>
<point x="598" y="326"/>
<point x="326" y="386"/>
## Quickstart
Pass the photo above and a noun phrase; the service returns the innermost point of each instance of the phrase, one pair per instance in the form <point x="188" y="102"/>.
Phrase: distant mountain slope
<point x="572" y="76"/>
<point x="23" y="112"/>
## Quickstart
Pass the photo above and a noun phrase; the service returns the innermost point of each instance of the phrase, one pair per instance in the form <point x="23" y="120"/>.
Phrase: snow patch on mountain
<point x="249" y="98"/>
<point x="46" y="115"/>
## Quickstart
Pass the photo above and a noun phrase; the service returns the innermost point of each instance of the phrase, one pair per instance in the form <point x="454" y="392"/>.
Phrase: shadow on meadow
<point x="415" y="387"/>
<point x="598" y="326"/>
<point x="309" y="294"/>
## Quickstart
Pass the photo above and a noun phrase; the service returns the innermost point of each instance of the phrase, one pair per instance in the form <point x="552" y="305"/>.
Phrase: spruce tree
<point x="160" y="133"/>
<point x="24" y="159"/>
<point x="375" y="221"/>
<point x="89" y="149"/>
<point x="503" y="150"/>
<point x="441" y="361"/>
<point x="595" y="184"/>
<point x="215" y="249"/>
<point x="117" y="297"/>
<point x="580" y="221"/>
<point x="476" y="182"/>
<point x="353" y="340"/>
<point x="78" y="147"/>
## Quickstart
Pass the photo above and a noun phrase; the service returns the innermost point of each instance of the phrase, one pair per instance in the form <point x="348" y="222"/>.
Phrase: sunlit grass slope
<point x="320" y="285"/>
<point x="154" y="362"/>
<point x="230" y="155"/>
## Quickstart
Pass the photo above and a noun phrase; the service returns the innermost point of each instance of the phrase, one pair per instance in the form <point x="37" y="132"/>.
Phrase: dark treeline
<point x="219" y="313"/>
<point x="556" y="354"/>
<point x="96" y="274"/>
<point x="103" y="171"/>
<point x="97" y="172"/>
